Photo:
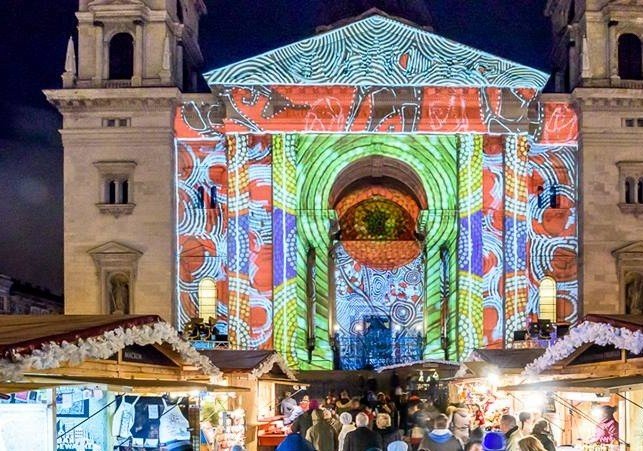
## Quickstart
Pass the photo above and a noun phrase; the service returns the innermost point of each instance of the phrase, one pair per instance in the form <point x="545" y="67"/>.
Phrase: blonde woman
<point x="530" y="443"/>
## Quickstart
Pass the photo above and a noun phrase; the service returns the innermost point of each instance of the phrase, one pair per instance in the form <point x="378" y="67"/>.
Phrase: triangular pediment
<point x="378" y="50"/>
<point x="632" y="248"/>
<point x="113" y="247"/>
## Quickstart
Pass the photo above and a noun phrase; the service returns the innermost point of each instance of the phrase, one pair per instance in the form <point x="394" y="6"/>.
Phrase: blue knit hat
<point x="493" y="441"/>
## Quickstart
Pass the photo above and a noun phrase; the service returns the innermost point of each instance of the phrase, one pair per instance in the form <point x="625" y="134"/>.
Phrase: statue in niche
<point x="119" y="294"/>
<point x="634" y="293"/>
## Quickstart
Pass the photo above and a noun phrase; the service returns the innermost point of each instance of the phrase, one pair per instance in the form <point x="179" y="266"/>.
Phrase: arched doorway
<point x="378" y="263"/>
<point x="305" y="324"/>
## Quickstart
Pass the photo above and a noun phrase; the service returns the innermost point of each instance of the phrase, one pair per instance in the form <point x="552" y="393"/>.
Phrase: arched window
<point x="639" y="191"/>
<point x="200" y="197"/>
<point x="125" y="192"/>
<point x="207" y="298"/>
<point x="121" y="57"/>
<point x="629" y="57"/>
<point x="629" y="191"/>
<point x="547" y="295"/>
<point x="111" y="192"/>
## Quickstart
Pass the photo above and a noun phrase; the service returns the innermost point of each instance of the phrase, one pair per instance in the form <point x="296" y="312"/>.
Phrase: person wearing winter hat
<point x="397" y="445"/>
<point x="440" y="438"/>
<point x="347" y="426"/>
<point x="494" y="441"/>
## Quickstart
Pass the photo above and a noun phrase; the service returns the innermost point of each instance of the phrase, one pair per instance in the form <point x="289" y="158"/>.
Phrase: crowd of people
<point x="403" y="422"/>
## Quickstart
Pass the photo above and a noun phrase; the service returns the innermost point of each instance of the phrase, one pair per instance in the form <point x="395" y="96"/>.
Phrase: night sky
<point x="32" y="52"/>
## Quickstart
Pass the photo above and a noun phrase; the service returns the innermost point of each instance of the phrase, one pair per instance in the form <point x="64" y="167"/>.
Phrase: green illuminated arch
<point x="320" y="160"/>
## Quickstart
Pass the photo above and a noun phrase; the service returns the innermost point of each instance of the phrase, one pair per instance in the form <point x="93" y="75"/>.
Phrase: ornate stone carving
<point x="116" y="210"/>
<point x="629" y="268"/>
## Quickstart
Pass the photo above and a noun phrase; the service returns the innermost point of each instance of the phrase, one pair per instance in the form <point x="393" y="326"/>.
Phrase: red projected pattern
<point x="544" y="235"/>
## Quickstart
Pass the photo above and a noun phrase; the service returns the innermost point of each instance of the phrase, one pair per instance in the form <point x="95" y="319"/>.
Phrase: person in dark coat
<point x="305" y="420"/>
<point x="295" y="442"/>
<point x="542" y="432"/>
<point x="321" y="434"/>
<point x="362" y="438"/>
<point x="387" y="431"/>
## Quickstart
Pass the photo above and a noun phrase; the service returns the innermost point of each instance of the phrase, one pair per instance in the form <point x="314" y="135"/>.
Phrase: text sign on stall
<point x="145" y="354"/>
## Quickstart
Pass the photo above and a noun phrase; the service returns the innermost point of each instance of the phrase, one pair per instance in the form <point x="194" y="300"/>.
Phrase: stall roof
<point x="507" y="358"/>
<point x="595" y="330"/>
<point x="257" y="363"/>
<point x="43" y="342"/>
<point x="142" y="385"/>
<point x="21" y="334"/>
<point x="632" y="322"/>
<point x="589" y="385"/>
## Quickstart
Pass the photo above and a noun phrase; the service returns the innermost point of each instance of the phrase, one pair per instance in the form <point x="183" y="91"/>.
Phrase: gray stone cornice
<point x="611" y="136"/>
<point x="130" y="99"/>
<point x="132" y="137"/>
<point x="608" y="99"/>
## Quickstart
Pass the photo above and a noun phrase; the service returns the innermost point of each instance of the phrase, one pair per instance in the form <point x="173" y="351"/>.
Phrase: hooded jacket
<point x="321" y="434"/>
<point x="295" y="442"/>
<point x="440" y="440"/>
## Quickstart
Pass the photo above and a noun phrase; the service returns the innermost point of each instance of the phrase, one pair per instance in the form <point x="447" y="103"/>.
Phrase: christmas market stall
<point x="426" y="379"/>
<point x="593" y="378"/>
<point x="99" y="383"/>
<point x="267" y="376"/>
<point x="476" y="383"/>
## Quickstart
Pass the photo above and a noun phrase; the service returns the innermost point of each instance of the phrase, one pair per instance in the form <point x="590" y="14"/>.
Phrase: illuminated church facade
<point x="373" y="190"/>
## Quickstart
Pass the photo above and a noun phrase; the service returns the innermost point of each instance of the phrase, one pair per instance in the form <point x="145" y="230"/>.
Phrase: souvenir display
<point x="148" y="423"/>
<point x="231" y="429"/>
<point x="82" y="418"/>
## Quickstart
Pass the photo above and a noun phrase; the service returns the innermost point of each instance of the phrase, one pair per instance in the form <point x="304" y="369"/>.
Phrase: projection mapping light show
<point x="342" y="210"/>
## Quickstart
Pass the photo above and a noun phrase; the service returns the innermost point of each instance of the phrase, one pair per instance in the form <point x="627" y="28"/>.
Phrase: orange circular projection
<point x="378" y="232"/>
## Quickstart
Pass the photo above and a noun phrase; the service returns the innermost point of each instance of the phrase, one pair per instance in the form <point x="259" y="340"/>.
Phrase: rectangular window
<point x="628" y="122"/>
<point x="116" y="122"/>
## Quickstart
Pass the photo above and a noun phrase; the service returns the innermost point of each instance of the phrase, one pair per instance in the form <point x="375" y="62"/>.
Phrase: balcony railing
<point x="205" y="336"/>
<point x="117" y="83"/>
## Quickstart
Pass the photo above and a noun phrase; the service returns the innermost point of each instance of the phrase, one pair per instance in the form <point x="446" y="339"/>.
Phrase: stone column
<point x="97" y="80"/>
<point x="613" y="53"/>
<point x="138" y="54"/>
